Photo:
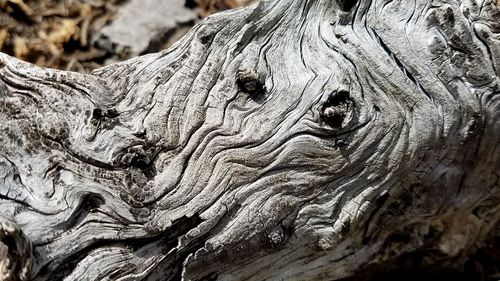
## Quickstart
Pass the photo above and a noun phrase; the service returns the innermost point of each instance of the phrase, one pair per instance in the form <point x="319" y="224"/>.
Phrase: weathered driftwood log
<point x="296" y="140"/>
<point x="143" y="26"/>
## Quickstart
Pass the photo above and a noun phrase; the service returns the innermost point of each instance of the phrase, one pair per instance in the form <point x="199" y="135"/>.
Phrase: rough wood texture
<point x="297" y="140"/>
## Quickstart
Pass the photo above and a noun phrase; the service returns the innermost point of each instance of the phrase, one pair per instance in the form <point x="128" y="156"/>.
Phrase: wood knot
<point x="347" y="5"/>
<point x="136" y="158"/>
<point x="337" y="108"/>
<point x="250" y="82"/>
<point x="141" y="160"/>
<point x="279" y="235"/>
<point x="276" y="236"/>
<point x="98" y="113"/>
<point x="345" y="15"/>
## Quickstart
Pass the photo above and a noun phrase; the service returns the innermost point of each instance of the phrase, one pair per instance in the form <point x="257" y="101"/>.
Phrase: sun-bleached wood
<point x="293" y="140"/>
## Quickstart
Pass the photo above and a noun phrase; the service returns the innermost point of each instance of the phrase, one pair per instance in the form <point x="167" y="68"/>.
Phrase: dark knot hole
<point x="336" y="108"/>
<point x="347" y="5"/>
<point x="250" y="82"/>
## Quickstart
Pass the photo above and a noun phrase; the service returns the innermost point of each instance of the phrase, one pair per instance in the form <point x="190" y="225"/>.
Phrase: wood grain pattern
<point x="294" y="140"/>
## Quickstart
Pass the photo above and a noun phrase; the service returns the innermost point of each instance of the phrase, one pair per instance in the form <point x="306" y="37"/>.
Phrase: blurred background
<point x="86" y="34"/>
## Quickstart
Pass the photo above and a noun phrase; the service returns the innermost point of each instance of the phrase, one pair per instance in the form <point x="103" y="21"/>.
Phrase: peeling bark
<point x="295" y="140"/>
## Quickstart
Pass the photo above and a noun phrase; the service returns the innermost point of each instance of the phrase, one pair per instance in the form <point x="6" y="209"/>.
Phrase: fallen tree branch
<point x="297" y="140"/>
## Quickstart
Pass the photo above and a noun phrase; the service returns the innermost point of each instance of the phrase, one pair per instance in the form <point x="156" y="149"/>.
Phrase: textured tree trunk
<point x="294" y="140"/>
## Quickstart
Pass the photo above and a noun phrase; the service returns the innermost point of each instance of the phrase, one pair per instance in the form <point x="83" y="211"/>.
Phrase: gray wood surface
<point x="296" y="140"/>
